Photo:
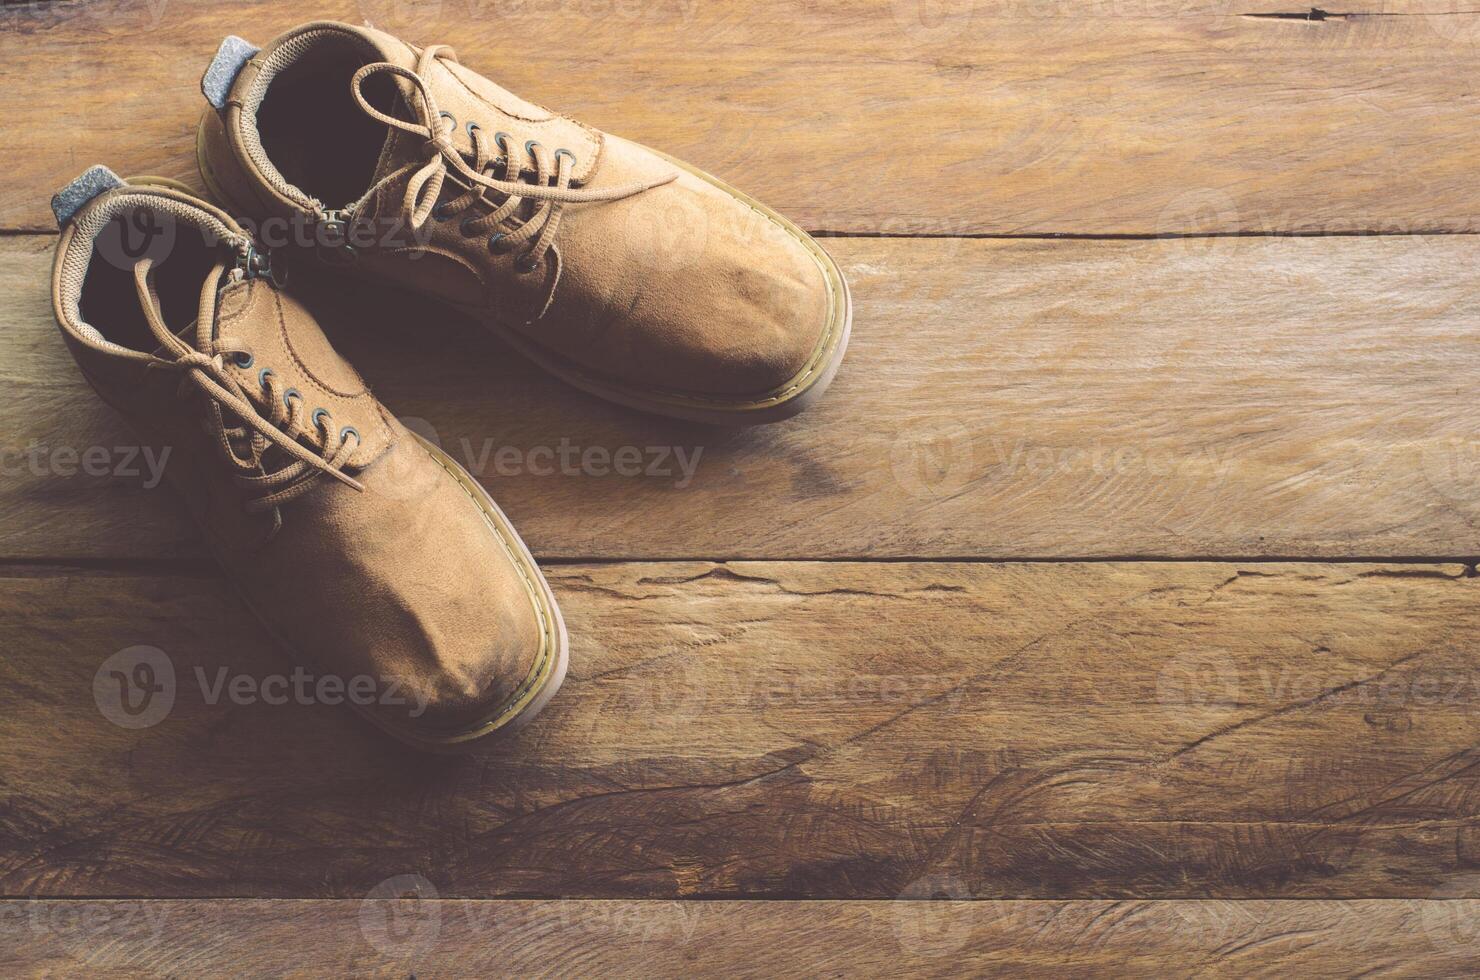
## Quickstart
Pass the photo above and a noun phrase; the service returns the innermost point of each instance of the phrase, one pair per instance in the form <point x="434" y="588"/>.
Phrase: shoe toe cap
<point x="686" y="287"/>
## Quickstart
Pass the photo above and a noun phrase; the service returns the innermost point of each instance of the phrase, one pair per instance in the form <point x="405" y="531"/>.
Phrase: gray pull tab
<point x="70" y="199"/>
<point x="216" y="83"/>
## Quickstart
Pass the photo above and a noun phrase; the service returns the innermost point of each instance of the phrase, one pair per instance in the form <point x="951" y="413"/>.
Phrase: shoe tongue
<point x="396" y="97"/>
<point x="399" y="150"/>
<point x="188" y="335"/>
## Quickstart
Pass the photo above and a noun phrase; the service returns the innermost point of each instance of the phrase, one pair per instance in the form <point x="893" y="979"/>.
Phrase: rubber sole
<point x="782" y="402"/>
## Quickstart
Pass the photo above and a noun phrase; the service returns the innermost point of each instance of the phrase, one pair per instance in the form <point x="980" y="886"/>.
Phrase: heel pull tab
<point x="221" y="73"/>
<point x="66" y="202"/>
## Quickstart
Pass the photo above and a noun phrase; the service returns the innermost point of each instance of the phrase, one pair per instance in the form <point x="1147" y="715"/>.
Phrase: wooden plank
<point x="1224" y="398"/>
<point x="390" y="938"/>
<point x="897" y="116"/>
<point x="1039" y="730"/>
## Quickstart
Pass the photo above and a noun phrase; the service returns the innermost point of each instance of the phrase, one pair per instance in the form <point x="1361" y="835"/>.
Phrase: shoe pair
<point x="370" y="553"/>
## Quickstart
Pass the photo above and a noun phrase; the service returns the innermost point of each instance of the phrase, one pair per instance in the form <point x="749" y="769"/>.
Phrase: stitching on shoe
<point x="596" y="136"/>
<point x="512" y="115"/>
<point x="288" y="343"/>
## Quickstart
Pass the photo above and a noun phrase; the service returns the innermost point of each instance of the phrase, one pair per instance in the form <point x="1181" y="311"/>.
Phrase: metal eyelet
<point x="572" y="156"/>
<point x="289" y="395"/>
<point x="526" y="263"/>
<point x="529" y="146"/>
<point x="462" y="226"/>
<point x="350" y="430"/>
<point x="242" y="359"/>
<point x="441" y="212"/>
<point x="499" y="138"/>
<point x="451" y="119"/>
<point x="262" y="377"/>
<point x="470" y="126"/>
<point x="318" y="415"/>
<point x="496" y="243"/>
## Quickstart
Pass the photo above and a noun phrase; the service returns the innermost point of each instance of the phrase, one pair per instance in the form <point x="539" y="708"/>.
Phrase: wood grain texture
<point x="788" y="730"/>
<point x="897" y="116"/>
<point x="421" y="937"/>
<point x="1222" y="398"/>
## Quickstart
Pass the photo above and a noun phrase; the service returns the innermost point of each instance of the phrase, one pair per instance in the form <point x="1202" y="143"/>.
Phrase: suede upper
<point x="671" y="283"/>
<point x="413" y="580"/>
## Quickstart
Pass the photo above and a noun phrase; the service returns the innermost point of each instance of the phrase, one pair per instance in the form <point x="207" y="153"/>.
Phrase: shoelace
<point x="552" y="176"/>
<point x="244" y="446"/>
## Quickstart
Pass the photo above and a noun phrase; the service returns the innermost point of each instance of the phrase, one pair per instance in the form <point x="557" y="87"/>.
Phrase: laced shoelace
<point x="246" y="444"/>
<point x="552" y="175"/>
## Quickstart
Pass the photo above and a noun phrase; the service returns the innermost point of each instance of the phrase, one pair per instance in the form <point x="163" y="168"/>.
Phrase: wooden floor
<point x="1121" y="596"/>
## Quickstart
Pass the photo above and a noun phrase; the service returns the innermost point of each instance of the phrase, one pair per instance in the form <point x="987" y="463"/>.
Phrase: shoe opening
<point x="182" y="259"/>
<point x="310" y="128"/>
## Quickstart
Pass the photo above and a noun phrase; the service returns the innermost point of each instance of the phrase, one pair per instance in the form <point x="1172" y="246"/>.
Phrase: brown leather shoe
<point x="630" y="274"/>
<point x="363" y="548"/>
